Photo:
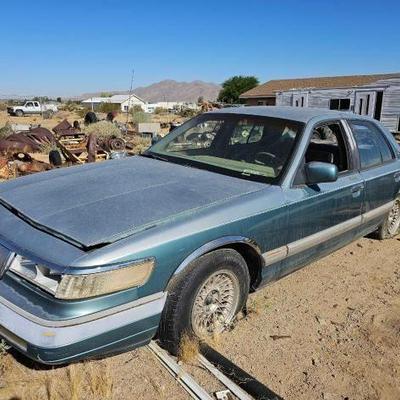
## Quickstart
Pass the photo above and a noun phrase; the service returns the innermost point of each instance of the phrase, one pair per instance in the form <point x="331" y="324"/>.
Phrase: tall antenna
<point x="130" y="95"/>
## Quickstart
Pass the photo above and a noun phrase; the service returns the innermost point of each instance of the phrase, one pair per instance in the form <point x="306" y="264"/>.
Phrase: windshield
<point x="252" y="147"/>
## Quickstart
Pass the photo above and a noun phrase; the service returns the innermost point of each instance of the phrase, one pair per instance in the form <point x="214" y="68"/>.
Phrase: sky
<point x="66" y="48"/>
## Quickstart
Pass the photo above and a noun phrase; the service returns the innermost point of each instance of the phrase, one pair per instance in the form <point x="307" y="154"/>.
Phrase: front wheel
<point x="204" y="300"/>
<point x="391" y="226"/>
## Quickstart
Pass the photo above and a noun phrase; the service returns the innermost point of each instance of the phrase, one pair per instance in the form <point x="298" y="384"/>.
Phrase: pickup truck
<point x="32" y="107"/>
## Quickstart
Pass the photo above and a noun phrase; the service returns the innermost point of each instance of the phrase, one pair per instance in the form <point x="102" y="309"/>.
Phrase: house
<point x="94" y="103"/>
<point x="124" y="101"/>
<point x="127" y="101"/>
<point x="375" y="95"/>
<point x="170" y="106"/>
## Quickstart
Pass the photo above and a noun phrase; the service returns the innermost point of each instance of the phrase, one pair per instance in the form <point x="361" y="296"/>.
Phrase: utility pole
<point x="129" y="98"/>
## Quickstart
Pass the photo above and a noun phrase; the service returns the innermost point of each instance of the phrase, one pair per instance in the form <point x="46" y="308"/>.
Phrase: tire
<point x="19" y="113"/>
<point x="55" y="158"/>
<point x="196" y="289"/>
<point x="391" y="227"/>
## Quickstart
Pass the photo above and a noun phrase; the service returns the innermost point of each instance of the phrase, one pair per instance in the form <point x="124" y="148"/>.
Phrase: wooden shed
<point x="375" y="95"/>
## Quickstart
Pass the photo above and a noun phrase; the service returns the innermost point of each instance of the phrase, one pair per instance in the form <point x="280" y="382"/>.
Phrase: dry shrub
<point x="139" y="144"/>
<point x="3" y="106"/>
<point x="103" y="129"/>
<point x="214" y="340"/>
<point x="188" y="349"/>
<point x="89" y="381"/>
<point x="257" y="304"/>
<point x="75" y="381"/>
<point x="100" y="381"/>
<point x="6" y="130"/>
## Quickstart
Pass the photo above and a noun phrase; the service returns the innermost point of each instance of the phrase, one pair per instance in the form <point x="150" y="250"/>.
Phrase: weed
<point x="188" y="349"/>
<point x="75" y="382"/>
<point x="103" y="129"/>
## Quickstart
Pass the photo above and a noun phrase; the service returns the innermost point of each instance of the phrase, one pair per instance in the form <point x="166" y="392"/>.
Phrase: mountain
<point x="170" y="90"/>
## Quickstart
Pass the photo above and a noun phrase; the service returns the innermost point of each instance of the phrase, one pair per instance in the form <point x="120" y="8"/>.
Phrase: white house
<point x="125" y="101"/>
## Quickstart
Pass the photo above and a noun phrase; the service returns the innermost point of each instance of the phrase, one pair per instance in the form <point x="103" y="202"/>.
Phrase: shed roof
<point x="97" y="100"/>
<point x="121" y="98"/>
<point x="284" y="112"/>
<point x="270" y="88"/>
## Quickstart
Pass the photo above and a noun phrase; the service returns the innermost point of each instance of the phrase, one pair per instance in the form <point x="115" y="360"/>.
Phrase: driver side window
<point x="328" y="145"/>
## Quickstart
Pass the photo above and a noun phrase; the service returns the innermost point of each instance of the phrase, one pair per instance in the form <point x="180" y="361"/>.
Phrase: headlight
<point x="73" y="287"/>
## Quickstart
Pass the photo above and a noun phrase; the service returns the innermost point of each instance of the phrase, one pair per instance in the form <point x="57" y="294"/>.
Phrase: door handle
<point x="356" y="190"/>
<point x="397" y="177"/>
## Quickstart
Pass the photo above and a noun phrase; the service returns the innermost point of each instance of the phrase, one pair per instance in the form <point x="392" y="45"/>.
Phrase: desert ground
<point x="328" y="331"/>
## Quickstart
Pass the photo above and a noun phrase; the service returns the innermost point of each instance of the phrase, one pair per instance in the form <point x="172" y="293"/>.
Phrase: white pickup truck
<point x="32" y="107"/>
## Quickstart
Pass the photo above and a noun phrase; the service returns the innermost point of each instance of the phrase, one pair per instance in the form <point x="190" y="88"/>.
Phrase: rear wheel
<point x="391" y="227"/>
<point x="19" y="113"/>
<point x="205" y="299"/>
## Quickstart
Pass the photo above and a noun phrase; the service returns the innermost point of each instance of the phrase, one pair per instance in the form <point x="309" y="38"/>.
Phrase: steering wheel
<point x="269" y="159"/>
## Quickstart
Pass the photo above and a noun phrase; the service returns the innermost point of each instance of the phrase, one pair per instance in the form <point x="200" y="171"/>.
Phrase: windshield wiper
<point x="154" y="156"/>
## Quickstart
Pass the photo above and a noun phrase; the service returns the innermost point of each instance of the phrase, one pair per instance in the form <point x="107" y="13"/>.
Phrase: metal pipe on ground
<point x="245" y="381"/>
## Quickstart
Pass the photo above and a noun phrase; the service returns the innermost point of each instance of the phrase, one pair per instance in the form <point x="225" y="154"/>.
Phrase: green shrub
<point x="160" y="110"/>
<point x="139" y="117"/>
<point x="109" y="107"/>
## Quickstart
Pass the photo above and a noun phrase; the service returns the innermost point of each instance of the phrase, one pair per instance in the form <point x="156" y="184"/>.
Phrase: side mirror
<point x="320" y="172"/>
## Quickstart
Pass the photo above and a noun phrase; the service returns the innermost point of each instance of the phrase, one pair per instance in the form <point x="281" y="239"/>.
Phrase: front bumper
<point x="57" y="342"/>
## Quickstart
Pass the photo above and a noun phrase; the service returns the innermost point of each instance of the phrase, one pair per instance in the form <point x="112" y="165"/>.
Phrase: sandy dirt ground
<point x="329" y="331"/>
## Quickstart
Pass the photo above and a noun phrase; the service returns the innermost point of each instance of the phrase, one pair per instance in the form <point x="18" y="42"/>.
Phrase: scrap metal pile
<point x="24" y="150"/>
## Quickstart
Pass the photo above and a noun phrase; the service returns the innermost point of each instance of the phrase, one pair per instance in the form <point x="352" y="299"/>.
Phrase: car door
<point x="29" y="108"/>
<point x="379" y="169"/>
<point x="36" y="107"/>
<point x="325" y="216"/>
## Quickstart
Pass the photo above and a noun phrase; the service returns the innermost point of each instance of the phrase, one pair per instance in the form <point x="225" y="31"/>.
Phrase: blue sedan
<point x="100" y="258"/>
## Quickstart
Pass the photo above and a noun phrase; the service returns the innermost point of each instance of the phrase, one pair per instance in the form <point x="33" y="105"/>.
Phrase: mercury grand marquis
<point x="100" y="258"/>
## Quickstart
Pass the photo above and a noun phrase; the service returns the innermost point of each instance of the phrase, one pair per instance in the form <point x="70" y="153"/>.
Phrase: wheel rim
<point x="394" y="218"/>
<point x="215" y="303"/>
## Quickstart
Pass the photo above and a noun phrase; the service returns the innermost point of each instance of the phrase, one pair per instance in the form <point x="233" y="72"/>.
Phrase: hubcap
<point x="394" y="218"/>
<point x="215" y="304"/>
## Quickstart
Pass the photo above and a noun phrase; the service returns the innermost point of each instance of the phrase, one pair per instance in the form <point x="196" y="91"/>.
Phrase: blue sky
<point x="71" y="47"/>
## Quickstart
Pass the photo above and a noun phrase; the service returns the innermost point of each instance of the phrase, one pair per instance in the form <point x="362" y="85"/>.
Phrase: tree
<point x="59" y="100"/>
<point x="233" y="87"/>
<point x="105" y="94"/>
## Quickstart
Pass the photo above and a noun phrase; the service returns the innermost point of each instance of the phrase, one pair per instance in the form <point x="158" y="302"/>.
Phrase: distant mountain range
<point x="167" y="90"/>
<point x="170" y="90"/>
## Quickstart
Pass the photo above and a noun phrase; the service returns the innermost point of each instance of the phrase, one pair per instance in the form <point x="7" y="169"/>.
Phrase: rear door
<point x="379" y="169"/>
<point x="326" y="216"/>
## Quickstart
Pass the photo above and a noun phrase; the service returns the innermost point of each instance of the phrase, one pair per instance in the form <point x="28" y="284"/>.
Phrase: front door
<point x="365" y="103"/>
<point x="326" y="216"/>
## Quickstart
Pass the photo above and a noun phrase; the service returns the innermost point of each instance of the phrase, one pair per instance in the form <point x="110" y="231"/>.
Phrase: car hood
<point x="100" y="203"/>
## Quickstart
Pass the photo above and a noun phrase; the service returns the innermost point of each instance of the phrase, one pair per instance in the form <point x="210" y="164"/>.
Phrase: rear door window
<point x="373" y="147"/>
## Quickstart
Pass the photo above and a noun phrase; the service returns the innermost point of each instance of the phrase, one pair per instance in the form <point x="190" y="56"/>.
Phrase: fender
<point x="215" y="244"/>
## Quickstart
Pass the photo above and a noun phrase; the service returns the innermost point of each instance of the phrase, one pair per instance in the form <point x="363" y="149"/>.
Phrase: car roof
<point x="292" y="113"/>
